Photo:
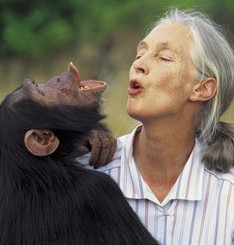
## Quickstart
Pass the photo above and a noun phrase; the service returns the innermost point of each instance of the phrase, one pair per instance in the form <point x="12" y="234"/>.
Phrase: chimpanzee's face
<point x="65" y="89"/>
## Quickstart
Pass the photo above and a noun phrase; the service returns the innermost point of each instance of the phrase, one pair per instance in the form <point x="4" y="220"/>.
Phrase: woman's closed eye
<point x="138" y="56"/>
<point x="167" y="56"/>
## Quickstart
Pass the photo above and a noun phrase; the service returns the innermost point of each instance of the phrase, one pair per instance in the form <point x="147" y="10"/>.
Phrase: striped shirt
<point x="199" y="209"/>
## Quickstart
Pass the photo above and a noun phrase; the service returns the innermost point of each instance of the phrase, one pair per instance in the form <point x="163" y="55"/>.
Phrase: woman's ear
<point x="204" y="90"/>
<point x="41" y="142"/>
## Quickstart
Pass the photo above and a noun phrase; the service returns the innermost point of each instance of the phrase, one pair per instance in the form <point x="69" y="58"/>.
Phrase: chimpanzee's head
<point x="45" y="116"/>
<point x="66" y="89"/>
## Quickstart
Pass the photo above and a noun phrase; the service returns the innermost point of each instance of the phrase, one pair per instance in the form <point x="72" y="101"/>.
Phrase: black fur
<point x="50" y="201"/>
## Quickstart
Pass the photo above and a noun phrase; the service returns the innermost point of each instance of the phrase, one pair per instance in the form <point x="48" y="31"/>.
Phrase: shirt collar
<point x="188" y="185"/>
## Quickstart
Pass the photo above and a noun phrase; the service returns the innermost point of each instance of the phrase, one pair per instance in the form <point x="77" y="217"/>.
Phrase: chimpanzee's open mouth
<point x="93" y="85"/>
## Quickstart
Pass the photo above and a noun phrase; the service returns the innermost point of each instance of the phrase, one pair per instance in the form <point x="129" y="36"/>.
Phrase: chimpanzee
<point x="45" y="198"/>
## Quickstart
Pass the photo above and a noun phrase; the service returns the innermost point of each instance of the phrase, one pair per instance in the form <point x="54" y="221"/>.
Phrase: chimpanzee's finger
<point x="96" y="146"/>
<point x="107" y="152"/>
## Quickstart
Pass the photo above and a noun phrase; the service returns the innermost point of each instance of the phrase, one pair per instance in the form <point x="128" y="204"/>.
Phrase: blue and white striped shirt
<point x="199" y="209"/>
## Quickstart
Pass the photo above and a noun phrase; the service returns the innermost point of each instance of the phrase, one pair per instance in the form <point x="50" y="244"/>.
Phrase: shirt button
<point x="169" y="212"/>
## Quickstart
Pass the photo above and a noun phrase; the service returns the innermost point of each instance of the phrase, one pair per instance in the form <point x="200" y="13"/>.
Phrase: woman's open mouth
<point x="135" y="87"/>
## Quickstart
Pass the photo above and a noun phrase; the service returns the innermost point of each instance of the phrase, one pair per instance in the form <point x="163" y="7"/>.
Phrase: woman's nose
<point x="140" y="67"/>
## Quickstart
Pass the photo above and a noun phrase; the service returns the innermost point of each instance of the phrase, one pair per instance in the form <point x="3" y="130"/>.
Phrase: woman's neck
<point x="161" y="155"/>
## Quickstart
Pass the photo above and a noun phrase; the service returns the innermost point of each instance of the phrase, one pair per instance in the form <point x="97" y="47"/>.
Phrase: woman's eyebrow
<point x="165" y="45"/>
<point x="142" y="44"/>
<point x="161" y="45"/>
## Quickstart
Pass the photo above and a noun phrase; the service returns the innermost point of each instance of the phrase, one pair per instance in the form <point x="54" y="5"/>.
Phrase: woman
<point x="176" y="168"/>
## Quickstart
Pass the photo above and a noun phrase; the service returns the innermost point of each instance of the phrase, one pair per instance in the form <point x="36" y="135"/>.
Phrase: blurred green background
<point x="39" y="38"/>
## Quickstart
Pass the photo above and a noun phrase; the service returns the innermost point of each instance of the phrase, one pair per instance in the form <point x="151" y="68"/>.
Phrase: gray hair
<point x="215" y="59"/>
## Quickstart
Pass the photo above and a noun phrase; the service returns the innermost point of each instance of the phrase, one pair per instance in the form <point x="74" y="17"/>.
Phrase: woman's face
<point x="163" y="74"/>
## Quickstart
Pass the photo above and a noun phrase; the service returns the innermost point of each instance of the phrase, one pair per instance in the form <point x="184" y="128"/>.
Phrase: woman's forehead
<point x="175" y="37"/>
<point x="169" y="35"/>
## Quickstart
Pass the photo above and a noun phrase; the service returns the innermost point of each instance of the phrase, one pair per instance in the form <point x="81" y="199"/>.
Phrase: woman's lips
<point x="135" y="87"/>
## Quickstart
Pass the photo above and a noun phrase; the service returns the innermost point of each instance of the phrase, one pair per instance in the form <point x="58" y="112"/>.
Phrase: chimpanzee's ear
<point x="41" y="142"/>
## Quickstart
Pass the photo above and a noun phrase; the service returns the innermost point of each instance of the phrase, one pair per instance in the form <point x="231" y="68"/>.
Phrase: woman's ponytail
<point x="219" y="154"/>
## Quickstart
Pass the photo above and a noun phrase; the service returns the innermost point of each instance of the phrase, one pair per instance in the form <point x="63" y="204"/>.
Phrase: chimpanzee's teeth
<point x="84" y="87"/>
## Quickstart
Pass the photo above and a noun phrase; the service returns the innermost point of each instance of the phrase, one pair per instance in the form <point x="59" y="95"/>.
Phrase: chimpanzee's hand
<point x="103" y="147"/>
